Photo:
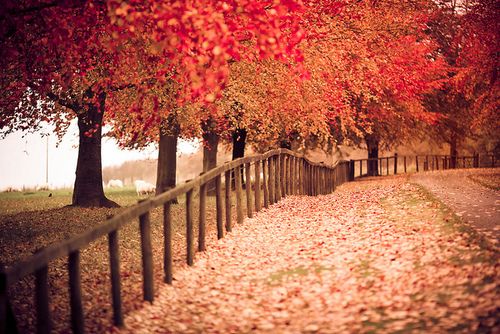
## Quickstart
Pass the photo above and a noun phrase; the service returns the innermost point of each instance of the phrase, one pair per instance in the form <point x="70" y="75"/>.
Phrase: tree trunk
<point x="210" y="144"/>
<point x="372" y="144"/>
<point x="88" y="190"/>
<point x="285" y="143"/>
<point x="167" y="158"/>
<point x="210" y="147"/>
<point x="239" y="141"/>
<point x="210" y="151"/>
<point x="453" y="151"/>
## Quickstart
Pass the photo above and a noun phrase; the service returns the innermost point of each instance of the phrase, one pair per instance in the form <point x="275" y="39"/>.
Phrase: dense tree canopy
<point x="282" y="72"/>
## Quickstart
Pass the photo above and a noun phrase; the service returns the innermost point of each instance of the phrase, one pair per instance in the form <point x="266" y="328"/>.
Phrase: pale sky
<point x="23" y="160"/>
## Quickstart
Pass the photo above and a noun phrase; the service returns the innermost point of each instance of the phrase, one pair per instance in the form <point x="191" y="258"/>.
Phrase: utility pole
<point x="47" y="163"/>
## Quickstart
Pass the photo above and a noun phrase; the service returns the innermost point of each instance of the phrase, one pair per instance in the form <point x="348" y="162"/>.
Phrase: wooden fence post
<point x="300" y="176"/>
<point x="351" y="170"/>
<point x="257" y="186"/>
<point x="416" y="162"/>
<point x="279" y="174"/>
<point x="75" y="293"/>
<point x="248" y="189"/>
<point x="7" y="319"/>
<point x="283" y="175"/>
<point x="387" y="164"/>
<point x="265" y="183"/>
<point x="239" y="195"/>
<point x="404" y="159"/>
<point x="271" y="181"/>
<point x="189" y="228"/>
<point x="227" y="180"/>
<point x="114" y="263"/>
<point x="395" y="163"/>
<point x="218" y="206"/>
<point x="202" y="217"/>
<point x="43" y="318"/>
<point x="360" y="168"/>
<point x="167" y="243"/>
<point x="3" y="300"/>
<point x="316" y="180"/>
<point x="147" y="257"/>
<point x="288" y="175"/>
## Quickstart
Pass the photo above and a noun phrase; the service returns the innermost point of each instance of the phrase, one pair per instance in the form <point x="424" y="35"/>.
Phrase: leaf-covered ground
<point x="377" y="256"/>
<point x="45" y="222"/>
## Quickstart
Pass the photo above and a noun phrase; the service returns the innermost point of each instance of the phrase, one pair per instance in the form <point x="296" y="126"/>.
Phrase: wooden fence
<point x="417" y="163"/>
<point x="276" y="174"/>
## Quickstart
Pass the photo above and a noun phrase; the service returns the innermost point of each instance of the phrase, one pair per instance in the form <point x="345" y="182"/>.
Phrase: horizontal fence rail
<point x="276" y="174"/>
<point x="396" y="164"/>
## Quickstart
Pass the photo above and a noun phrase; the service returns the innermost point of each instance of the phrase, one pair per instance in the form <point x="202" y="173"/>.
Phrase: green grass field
<point x="17" y="202"/>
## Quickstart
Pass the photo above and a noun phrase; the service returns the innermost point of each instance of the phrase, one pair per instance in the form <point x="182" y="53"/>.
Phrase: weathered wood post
<point x="43" y="317"/>
<point x="271" y="182"/>
<point x="360" y="168"/>
<point x="75" y="293"/>
<point x="387" y="165"/>
<point x="300" y="176"/>
<point x="404" y="161"/>
<point x="283" y="162"/>
<point x="147" y="257"/>
<point x="395" y="163"/>
<point x="416" y="162"/>
<point x="3" y="300"/>
<point x="227" y="180"/>
<point x="114" y="263"/>
<point x="279" y="174"/>
<point x="248" y="189"/>
<point x="288" y="166"/>
<point x="265" y="183"/>
<point x="167" y="243"/>
<point x="202" y="217"/>
<point x="239" y="195"/>
<point x="7" y="319"/>
<point x="351" y="170"/>
<point x="219" y="207"/>
<point x="257" y="186"/>
<point x="315" y="180"/>
<point x="189" y="228"/>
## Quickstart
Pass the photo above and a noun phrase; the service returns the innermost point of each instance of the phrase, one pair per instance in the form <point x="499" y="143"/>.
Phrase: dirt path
<point x="377" y="256"/>
<point x="462" y="191"/>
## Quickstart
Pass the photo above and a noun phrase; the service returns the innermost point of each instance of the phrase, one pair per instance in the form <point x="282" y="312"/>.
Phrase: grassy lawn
<point x="16" y="202"/>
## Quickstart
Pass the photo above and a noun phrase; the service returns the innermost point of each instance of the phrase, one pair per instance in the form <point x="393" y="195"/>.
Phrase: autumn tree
<point x="63" y="60"/>
<point x="196" y="42"/>
<point x="57" y="65"/>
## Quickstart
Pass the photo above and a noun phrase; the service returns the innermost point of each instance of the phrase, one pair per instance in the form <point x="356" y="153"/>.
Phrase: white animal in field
<point x="144" y="188"/>
<point x="115" y="184"/>
<point x="42" y="187"/>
